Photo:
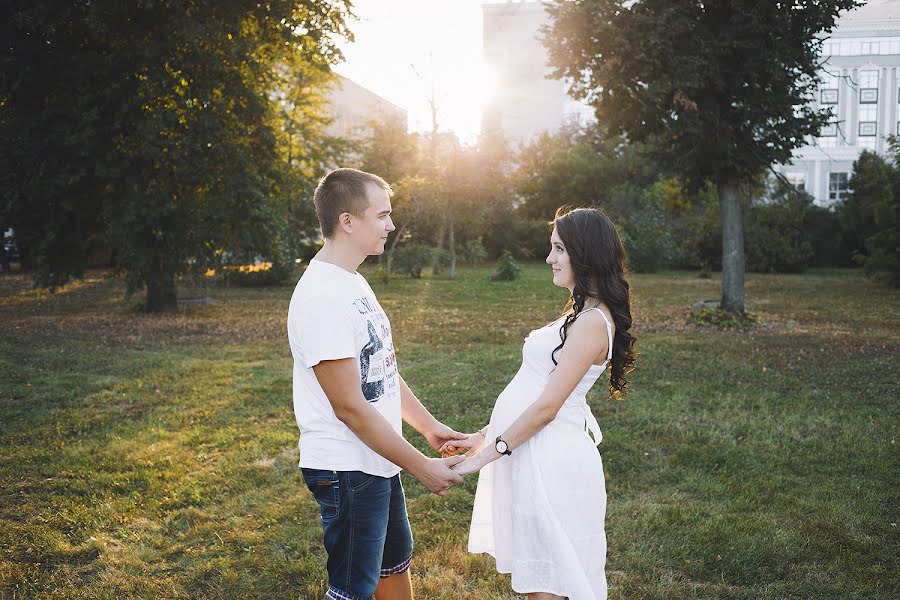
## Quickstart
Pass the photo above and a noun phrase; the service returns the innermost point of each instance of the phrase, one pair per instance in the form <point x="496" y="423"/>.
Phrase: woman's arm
<point x="585" y="341"/>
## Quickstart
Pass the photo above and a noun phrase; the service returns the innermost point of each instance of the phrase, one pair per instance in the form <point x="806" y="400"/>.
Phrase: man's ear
<point x="345" y="220"/>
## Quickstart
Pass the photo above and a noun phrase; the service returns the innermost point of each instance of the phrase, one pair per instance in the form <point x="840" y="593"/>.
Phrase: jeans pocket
<point x="358" y="481"/>
<point x="326" y="489"/>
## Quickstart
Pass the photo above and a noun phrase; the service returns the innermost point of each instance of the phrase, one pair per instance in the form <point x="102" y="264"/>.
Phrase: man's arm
<point x="340" y="382"/>
<point x="415" y="413"/>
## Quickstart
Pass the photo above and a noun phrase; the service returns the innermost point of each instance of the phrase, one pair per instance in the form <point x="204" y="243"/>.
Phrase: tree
<point x="154" y="127"/>
<point x="871" y="214"/>
<point x="716" y="90"/>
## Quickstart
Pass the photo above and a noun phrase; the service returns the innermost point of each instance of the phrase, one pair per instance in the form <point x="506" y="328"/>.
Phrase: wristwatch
<point x="501" y="446"/>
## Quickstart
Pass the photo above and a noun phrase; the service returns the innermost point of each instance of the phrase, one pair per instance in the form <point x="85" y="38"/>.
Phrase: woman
<point x="541" y="498"/>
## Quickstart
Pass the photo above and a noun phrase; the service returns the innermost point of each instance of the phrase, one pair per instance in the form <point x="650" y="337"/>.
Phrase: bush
<point x="714" y="316"/>
<point x="473" y="251"/>
<point x="871" y="214"/>
<point x="411" y="258"/>
<point x="775" y="237"/>
<point x="507" y="269"/>
<point x="440" y="260"/>
<point x="265" y="274"/>
<point x="645" y="234"/>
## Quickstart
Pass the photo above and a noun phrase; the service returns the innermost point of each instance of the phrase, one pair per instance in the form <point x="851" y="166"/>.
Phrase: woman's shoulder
<point x="596" y="316"/>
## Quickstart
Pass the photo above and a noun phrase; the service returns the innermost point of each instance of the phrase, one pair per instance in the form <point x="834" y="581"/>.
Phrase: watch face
<point x="501" y="447"/>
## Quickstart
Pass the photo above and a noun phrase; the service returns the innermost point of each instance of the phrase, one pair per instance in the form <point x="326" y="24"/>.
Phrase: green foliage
<point x="776" y="240"/>
<point x="411" y="258"/>
<point x="507" y="268"/>
<point x="572" y="166"/>
<point x="170" y="133"/>
<point x="644" y="231"/>
<point x="698" y="234"/>
<point x="871" y="214"/>
<point x="716" y="317"/>
<point x="440" y="260"/>
<point x="474" y="251"/>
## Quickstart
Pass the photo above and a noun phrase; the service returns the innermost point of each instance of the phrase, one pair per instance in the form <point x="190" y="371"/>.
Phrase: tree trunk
<point x="436" y="259"/>
<point x="389" y="254"/>
<point x="732" y="245"/>
<point x="451" y="241"/>
<point x="161" y="293"/>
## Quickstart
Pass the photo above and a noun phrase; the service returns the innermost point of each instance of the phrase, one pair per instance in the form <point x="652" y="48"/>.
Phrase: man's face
<point x="371" y="230"/>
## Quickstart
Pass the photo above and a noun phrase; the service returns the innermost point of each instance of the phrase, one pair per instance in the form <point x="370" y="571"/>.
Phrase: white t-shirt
<point x="334" y="314"/>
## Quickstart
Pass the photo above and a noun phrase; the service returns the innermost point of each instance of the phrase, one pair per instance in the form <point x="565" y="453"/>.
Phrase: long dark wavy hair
<point x="597" y="257"/>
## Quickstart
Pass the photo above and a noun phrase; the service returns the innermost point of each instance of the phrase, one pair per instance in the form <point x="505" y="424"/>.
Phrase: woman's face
<point x="558" y="259"/>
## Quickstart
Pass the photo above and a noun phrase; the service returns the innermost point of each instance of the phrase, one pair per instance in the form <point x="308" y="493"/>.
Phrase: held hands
<point x="437" y="475"/>
<point x="441" y="435"/>
<point x="470" y="444"/>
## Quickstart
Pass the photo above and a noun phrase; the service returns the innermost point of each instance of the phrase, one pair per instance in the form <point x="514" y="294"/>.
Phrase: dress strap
<point x="608" y="331"/>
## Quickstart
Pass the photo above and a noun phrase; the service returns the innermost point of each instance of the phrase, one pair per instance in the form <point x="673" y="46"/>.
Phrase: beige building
<point x="354" y="108"/>
<point x="526" y="103"/>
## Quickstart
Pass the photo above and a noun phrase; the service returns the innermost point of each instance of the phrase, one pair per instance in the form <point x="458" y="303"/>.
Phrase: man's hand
<point x="440" y="434"/>
<point x="470" y="444"/>
<point x="436" y="474"/>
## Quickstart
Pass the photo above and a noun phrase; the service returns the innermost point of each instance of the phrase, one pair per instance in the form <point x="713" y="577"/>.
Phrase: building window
<point x="837" y="187"/>
<point x="868" y="78"/>
<point x="868" y="128"/>
<point x="829" y="87"/>
<point x="828" y="136"/>
<point x="797" y="180"/>
<point x="868" y="108"/>
<point x="861" y="46"/>
<point x="829" y="96"/>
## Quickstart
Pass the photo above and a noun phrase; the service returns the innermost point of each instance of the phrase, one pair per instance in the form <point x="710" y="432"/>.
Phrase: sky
<point x="402" y="46"/>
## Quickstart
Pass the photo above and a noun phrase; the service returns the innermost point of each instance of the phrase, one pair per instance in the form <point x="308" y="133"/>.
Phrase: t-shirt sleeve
<point x="322" y="330"/>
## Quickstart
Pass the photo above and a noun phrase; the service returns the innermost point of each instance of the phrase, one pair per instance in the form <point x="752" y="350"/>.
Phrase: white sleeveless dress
<point x="540" y="511"/>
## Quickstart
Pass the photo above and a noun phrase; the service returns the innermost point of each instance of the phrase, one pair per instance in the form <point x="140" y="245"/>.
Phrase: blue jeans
<point x="367" y="534"/>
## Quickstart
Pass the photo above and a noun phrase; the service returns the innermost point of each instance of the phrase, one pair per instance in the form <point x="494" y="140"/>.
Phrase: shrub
<point x="411" y="258"/>
<point x="440" y="260"/>
<point x="871" y="214"/>
<point x="507" y="268"/>
<point x="775" y="238"/>
<point x="716" y="317"/>
<point x="645" y="234"/>
<point x="473" y="251"/>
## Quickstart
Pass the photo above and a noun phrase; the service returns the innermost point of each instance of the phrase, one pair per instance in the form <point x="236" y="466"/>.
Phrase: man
<point x="349" y="399"/>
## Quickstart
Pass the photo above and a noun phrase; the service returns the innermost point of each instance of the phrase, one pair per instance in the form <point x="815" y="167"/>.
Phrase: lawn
<point x="155" y="455"/>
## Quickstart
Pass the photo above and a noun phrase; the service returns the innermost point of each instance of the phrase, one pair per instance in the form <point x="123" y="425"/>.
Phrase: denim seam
<point x="352" y="530"/>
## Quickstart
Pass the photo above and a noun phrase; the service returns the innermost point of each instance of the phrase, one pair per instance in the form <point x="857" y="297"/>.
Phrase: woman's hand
<point x="470" y="444"/>
<point x="469" y="465"/>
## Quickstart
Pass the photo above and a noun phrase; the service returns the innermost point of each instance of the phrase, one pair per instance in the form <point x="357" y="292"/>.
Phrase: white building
<point x="860" y="81"/>
<point x="526" y="103"/>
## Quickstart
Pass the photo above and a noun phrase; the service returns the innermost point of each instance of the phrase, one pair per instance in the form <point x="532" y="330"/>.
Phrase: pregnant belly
<point x="521" y="393"/>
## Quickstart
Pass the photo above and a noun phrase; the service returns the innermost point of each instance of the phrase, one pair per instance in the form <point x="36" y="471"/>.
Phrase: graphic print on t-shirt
<point x="371" y="366"/>
<point x="377" y="365"/>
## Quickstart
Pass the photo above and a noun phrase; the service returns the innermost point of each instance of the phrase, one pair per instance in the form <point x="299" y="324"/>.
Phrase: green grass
<point x="155" y="455"/>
